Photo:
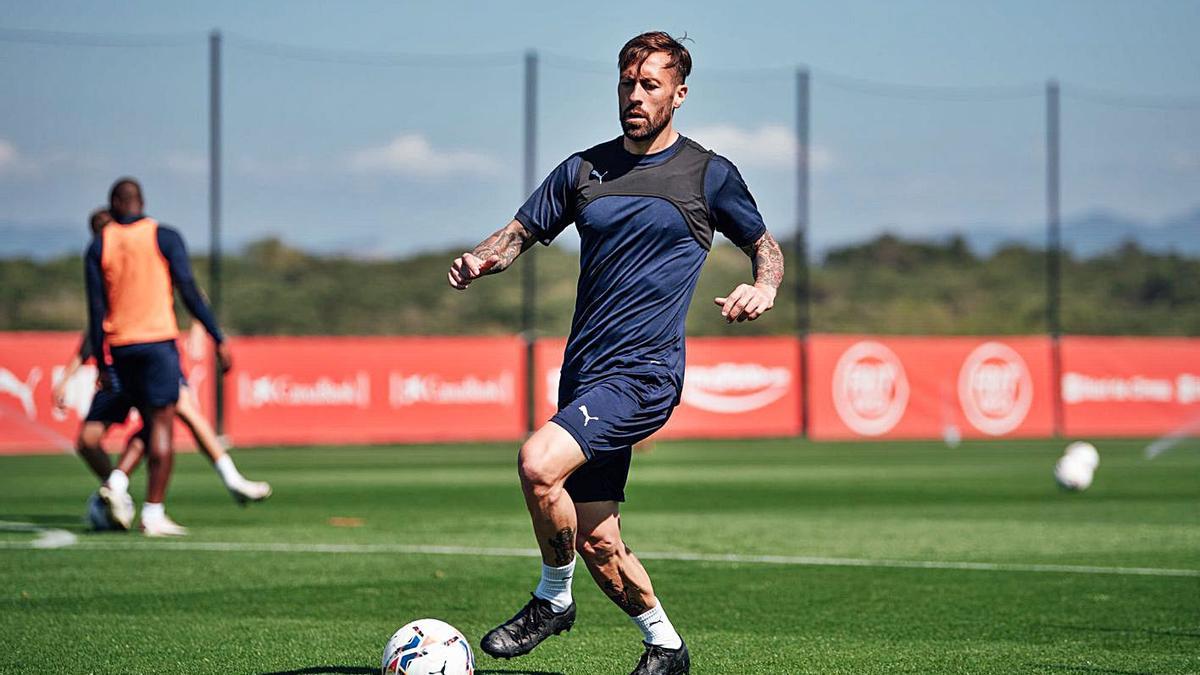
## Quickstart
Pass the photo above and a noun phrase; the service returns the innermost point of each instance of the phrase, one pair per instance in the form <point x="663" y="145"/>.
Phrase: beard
<point x="643" y="128"/>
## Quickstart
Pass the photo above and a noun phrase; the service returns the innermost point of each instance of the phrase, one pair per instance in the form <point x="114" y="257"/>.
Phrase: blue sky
<point x="374" y="159"/>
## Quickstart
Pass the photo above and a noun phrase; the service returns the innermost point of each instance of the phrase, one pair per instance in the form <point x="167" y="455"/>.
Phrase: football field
<point x="770" y="556"/>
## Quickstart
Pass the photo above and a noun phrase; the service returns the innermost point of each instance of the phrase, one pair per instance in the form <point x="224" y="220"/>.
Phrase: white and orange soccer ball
<point x="1077" y="466"/>
<point x="428" y="647"/>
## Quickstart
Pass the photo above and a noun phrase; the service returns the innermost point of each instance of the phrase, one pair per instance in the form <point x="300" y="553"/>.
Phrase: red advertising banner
<point x="733" y="387"/>
<point x="32" y="364"/>
<point x="336" y="390"/>
<point x="374" y="390"/>
<point x="1124" y="386"/>
<point x="922" y="387"/>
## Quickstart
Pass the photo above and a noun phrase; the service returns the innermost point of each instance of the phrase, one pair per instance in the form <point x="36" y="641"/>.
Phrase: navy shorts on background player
<point x="110" y="406"/>
<point x="149" y="373"/>
<point x="607" y="418"/>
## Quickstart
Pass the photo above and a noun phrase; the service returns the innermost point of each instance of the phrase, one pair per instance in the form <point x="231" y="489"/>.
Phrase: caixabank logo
<point x="870" y="388"/>
<point x="995" y="388"/>
<point x="726" y="388"/>
<point x="734" y="388"/>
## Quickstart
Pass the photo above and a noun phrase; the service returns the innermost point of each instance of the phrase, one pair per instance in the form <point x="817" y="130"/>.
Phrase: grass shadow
<point x="57" y="520"/>
<point x="1109" y="629"/>
<point x="328" y="670"/>
<point x="1067" y="667"/>
<point x="516" y="672"/>
<point x="365" y="670"/>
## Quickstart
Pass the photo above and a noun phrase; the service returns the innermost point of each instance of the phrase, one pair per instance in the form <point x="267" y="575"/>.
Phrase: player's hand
<point x="59" y="395"/>
<point x="469" y="267"/>
<point x="746" y="302"/>
<point x="224" y="357"/>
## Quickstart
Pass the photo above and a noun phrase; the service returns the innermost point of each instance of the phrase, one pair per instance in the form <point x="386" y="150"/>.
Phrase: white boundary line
<point x="47" y="537"/>
<point x="680" y="556"/>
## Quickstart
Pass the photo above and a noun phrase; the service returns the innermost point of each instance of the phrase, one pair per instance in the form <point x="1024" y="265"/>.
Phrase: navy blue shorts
<point x="607" y="418"/>
<point x="149" y="373"/>
<point x="109" y="406"/>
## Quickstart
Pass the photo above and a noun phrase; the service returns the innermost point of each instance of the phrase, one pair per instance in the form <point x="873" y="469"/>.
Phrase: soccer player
<point x="105" y="413"/>
<point x="646" y="206"/>
<point x="132" y="268"/>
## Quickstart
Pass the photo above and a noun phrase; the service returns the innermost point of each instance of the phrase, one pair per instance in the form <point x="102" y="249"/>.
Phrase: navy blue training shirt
<point x="646" y="224"/>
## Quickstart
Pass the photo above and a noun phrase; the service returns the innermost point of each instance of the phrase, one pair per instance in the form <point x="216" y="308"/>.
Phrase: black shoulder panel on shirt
<point x="607" y="170"/>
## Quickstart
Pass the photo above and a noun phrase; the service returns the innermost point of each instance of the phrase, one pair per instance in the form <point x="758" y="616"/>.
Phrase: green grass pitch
<point x="826" y="517"/>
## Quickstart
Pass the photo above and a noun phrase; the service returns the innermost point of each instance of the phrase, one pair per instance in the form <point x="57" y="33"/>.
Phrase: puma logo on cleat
<point x="599" y="176"/>
<point x="586" y="417"/>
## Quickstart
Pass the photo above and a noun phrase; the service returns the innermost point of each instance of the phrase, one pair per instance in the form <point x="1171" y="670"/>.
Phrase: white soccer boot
<point x="118" y="506"/>
<point x="246" y="491"/>
<point x="162" y="526"/>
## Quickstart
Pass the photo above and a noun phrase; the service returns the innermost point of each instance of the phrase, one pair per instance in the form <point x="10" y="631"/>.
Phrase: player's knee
<point x="90" y="436"/>
<point x="599" y="547"/>
<point x="537" y="474"/>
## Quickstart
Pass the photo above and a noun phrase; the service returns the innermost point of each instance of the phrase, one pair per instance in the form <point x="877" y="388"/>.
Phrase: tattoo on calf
<point x="626" y="595"/>
<point x="563" y="545"/>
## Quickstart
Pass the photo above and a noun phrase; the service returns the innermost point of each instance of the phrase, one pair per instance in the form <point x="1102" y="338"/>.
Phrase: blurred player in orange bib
<point x="132" y="269"/>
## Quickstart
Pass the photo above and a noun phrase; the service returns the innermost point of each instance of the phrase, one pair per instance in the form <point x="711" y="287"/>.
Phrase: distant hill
<point x="1086" y="236"/>
<point x="1096" y="232"/>
<point x="42" y="241"/>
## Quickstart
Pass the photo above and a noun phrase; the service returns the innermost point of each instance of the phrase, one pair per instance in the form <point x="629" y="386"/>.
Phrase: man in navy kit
<point x="646" y="206"/>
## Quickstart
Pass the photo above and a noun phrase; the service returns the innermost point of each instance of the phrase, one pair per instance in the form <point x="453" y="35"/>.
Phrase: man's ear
<point x="680" y="94"/>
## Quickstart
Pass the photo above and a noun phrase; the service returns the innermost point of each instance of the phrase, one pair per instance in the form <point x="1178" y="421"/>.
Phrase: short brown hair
<point x="637" y="50"/>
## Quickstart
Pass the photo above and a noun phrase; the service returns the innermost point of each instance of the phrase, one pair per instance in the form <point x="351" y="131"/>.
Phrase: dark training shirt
<point x="646" y="224"/>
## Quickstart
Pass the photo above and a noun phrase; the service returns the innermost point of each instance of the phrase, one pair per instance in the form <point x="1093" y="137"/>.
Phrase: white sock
<point x="227" y="471"/>
<point x="152" y="511"/>
<point x="555" y="585"/>
<point x="118" y="481"/>
<point x="657" y="629"/>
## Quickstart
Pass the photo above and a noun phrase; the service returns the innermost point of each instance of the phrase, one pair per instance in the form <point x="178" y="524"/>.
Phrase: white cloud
<point x="414" y="155"/>
<point x="771" y="147"/>
<point x="9" y="158"/>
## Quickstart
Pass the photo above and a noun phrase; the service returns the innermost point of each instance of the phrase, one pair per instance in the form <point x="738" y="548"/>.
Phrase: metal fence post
<point x="529" y="264"/>
<point x="214" y="210"/>
<point x="1054" y="250"/>
<point x="800" y="245"/>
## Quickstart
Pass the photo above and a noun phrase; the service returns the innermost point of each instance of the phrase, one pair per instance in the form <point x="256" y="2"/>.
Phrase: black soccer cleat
<point x="662" y="661"/>
<point x="536" y="621"/>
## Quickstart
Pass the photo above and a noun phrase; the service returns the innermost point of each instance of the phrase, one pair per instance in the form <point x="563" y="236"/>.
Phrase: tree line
<point x="887" y="285"/>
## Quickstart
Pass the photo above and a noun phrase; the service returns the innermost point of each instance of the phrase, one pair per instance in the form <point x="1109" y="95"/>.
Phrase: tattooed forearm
<point x="563" y="545"/>
<point x="506" y="243"/>
<point x="767" y="259"/>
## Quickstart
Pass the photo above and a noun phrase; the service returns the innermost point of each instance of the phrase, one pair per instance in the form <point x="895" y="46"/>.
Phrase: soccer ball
<point x="97" y="516"/>
<point x="1076" y="468"/>
<point x="428" y="647"/>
